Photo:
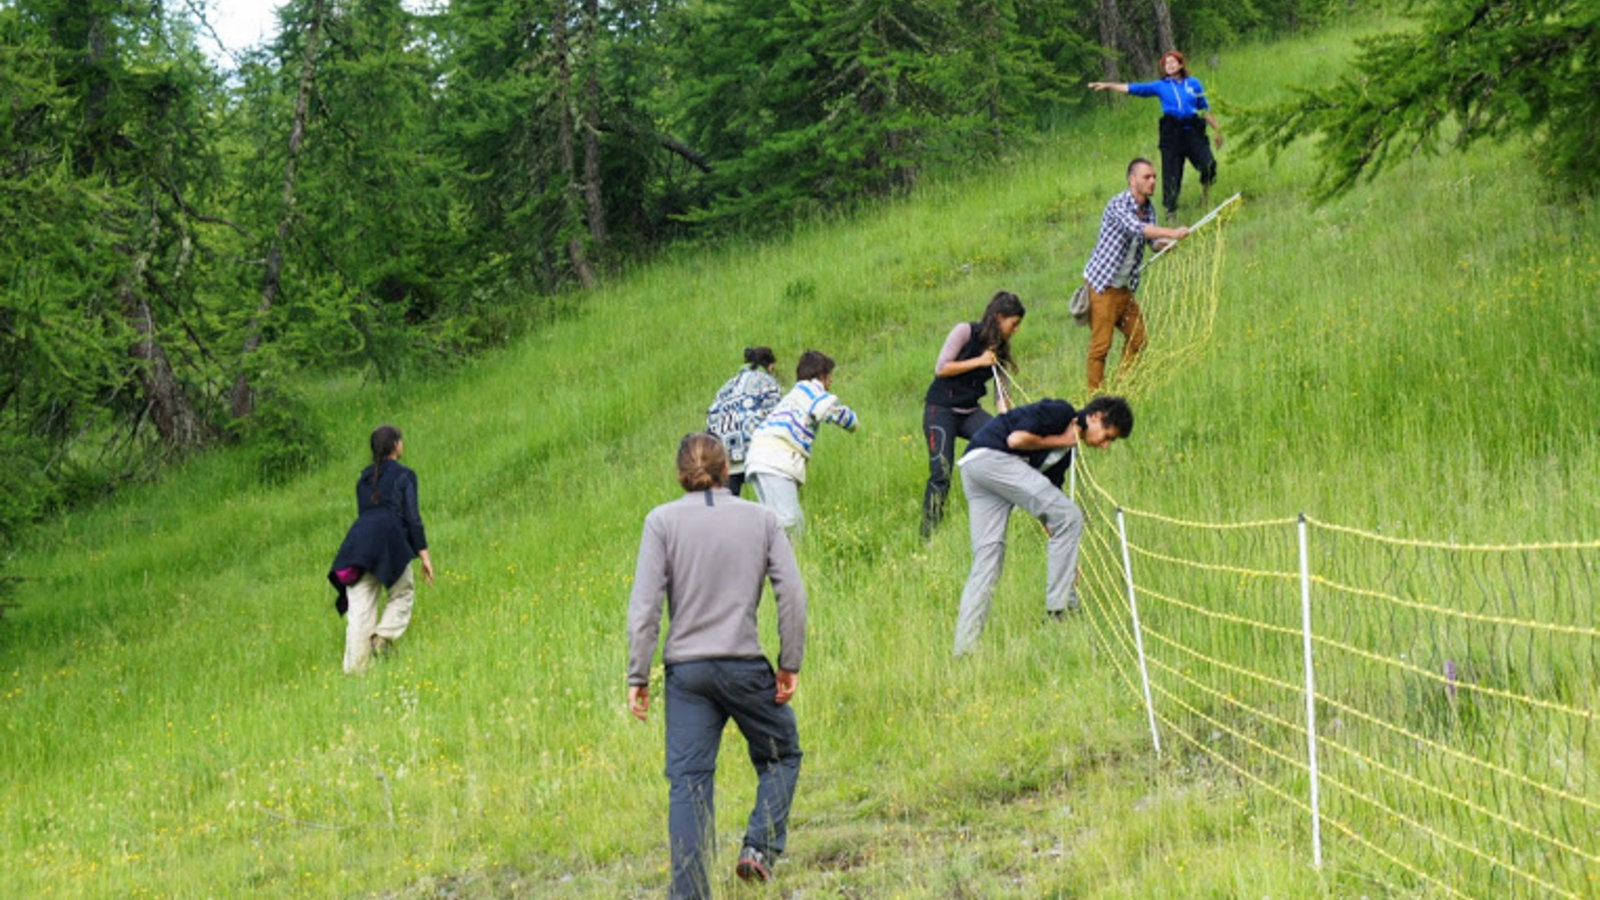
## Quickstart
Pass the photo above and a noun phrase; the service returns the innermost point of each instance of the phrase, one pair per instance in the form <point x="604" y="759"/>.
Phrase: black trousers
<point x="1183" y="139"/>
<point x="942" y="425"/>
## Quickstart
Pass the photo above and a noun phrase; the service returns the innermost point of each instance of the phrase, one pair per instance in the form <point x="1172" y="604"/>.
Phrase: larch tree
<point x="1469" y="72"/>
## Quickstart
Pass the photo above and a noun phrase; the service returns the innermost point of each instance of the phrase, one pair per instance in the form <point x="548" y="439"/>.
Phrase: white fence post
<point x="1138" y="635"/>
<point x="1311" y="693"/>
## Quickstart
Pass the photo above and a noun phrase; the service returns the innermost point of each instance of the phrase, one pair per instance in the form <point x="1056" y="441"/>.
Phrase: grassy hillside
<point x="1420" y="357"/>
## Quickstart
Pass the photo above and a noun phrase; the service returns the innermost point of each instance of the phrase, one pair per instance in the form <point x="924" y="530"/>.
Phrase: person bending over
<point x="1020" y="459"/>
<point x="781" y="447"/>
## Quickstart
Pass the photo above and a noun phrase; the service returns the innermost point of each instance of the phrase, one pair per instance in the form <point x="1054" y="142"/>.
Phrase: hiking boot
<point x="754" y="865"/>
<point x="1062" y="615"/>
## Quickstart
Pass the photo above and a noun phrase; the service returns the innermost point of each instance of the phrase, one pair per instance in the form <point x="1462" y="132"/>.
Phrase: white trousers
<point x="361" y="619"/>
<point x="782" y="496"/>
<point x="995" y="483"/>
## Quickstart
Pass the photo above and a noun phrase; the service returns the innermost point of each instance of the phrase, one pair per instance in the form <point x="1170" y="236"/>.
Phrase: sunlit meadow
<point x="1418" y="357"/>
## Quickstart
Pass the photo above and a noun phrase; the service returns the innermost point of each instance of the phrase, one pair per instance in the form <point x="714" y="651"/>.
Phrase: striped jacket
<point x="782" y="444"/>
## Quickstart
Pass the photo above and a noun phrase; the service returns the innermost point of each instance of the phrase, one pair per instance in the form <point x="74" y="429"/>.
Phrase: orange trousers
<point x="1112" y="310"/>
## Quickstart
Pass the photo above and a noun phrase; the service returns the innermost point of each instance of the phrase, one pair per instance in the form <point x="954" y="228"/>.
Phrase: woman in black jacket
<point x="377" y="552"/>
<point x="970" y="356"/>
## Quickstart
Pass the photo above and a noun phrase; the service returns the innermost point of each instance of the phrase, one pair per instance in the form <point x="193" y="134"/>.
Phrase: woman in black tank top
<point x="951" y="407"/>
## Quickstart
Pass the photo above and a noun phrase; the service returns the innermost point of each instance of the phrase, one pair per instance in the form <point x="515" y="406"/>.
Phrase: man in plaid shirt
<point x="1129" y="223"/>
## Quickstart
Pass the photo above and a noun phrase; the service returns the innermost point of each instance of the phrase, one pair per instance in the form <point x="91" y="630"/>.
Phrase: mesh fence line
<point x="1178" y="296"/>
<point x="1454" y="749"/>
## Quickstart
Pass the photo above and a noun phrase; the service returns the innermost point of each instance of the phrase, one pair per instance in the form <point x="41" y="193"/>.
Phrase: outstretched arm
<point x="1157" y="233"/>
<point x="842" y="416"/>
<point x="1120" y="87"/>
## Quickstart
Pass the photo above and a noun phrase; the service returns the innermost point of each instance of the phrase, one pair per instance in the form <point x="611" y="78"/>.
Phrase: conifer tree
<point x="803" y="107"/>
<point x="349" y="182"/>
<point x="105" y="163"/>
<point x="1469" y="71"/>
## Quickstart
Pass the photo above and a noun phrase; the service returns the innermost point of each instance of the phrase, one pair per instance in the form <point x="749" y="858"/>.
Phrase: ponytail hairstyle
<point x="702" y="462"/>
<point x="759" y="357"/>
<point x="1004" y="304"/>
<point x="384" y="439"/>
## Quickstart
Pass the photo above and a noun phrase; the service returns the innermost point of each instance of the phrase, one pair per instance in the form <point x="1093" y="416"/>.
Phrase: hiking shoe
<point x="754" y="865"/>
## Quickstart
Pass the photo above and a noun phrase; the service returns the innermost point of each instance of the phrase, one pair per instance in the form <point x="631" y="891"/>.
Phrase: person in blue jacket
<point x="1184" y="115"/>
<point x="377" y="553"/>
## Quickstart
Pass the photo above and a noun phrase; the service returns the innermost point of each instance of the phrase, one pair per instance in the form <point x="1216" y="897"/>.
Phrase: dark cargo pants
<point x="701" y="696"/>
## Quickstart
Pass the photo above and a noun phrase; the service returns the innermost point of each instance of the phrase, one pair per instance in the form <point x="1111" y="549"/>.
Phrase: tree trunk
<point x="1136" y="44"/>
<point x="95" y="99"/>
<point x="1110" y="22"/>
<point x="593" y="195"/>
<point x="991" y="36"/>
<point x="569" y="167"/>
<point x="1163" y="15"/>
<point x="174" y="416"/>
<point x="242" y="398"/>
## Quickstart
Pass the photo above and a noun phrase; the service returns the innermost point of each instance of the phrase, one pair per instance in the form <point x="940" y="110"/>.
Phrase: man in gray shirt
<point x="708" y="555"/>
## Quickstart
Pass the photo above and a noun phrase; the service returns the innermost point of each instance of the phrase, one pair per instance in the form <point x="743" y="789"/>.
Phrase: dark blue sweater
<point x="387" y="532"/>
<point x="1046" y="418"/>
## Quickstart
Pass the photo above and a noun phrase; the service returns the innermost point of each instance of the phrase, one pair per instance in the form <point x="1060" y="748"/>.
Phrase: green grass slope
<point x="1419" y="357"/>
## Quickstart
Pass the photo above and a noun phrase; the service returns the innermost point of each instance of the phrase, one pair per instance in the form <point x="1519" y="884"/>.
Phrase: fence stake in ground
<point x="1311" y="694"/>
<point x="1138" y="635"/>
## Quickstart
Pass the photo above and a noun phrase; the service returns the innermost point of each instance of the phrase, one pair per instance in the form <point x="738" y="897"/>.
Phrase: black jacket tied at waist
<point x="387" y="532"/>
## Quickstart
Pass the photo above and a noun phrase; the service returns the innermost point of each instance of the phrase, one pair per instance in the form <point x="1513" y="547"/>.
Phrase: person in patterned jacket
<point x="781" y="447"/>
<point x="742" y="403"/>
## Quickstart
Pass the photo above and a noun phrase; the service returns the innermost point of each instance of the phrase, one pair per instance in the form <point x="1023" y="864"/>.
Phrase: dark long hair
<point x="759" y="357"/>
<point x="1004" y="304"/>
<point x="384" y="439"/>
